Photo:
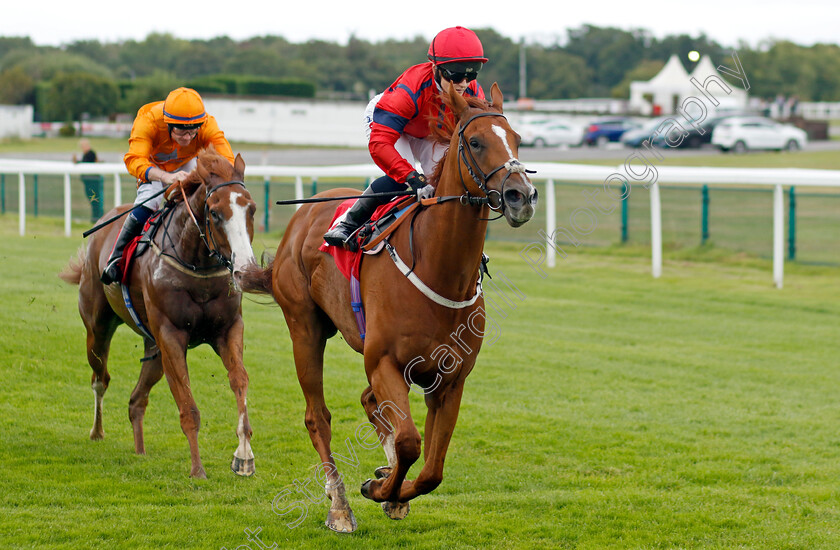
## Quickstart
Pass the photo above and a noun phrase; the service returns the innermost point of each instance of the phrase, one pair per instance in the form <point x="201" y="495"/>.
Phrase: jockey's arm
<point x="156" y="174"/>
<point x="385" y="155"/>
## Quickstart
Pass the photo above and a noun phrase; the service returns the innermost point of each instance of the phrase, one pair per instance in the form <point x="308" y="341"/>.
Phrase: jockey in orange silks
<point x="165" y="139"/>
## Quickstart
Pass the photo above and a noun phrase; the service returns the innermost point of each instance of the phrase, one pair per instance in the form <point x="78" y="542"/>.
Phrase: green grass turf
<point x="613" y="411"/>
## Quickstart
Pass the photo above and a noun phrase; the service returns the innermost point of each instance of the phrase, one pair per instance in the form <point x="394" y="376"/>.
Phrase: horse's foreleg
<point x="392" y="397"/>
<point x="151" y="371"/>
<point x="384" y="432"/>
<point x="173" y="350"/>
<point x="230" y="350"/>
<point x="308" y="344"/>
<point x="443" y="414"/>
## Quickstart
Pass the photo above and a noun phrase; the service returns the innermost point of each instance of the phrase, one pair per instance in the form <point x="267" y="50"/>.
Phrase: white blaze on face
<point x="499" y="131"/>
<point x="512" y="161"/>
<point x="236" y="229"/>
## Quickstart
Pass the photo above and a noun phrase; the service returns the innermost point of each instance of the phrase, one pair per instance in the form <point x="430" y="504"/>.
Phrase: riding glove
<point x="421" y="185"/>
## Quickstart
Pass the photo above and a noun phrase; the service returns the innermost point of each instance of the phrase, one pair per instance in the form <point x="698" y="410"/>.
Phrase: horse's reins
<point x="222" y="261"/>
<point x="512" y="166"/>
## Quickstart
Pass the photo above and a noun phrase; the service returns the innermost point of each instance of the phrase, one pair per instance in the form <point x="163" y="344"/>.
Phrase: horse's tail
<point x="257" y="280"/>
<point x="72" y="273"/>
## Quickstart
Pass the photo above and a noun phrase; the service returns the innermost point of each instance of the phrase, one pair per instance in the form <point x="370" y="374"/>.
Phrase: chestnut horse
<point x="409" y="335"/>
<point x="185" y="292"/>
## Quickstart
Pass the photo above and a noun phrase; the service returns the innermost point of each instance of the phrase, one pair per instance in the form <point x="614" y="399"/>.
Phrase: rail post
<point x="35" y="195"/>
<point x="266" y="184"/>
<point x="624" y="212"/>
<point x="792" y="224"/>
<point x="704" y="217"/>
<point x="655" y="231"/>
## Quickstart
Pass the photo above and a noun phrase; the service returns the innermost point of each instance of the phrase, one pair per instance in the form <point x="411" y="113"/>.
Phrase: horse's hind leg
<point x="100" y="330"/>
<point x="151" y="371"/>
<point x="229" y="348"/>
<point x="308" y="342"/>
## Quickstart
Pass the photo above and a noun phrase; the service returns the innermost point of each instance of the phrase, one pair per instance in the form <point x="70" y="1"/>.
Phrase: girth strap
<point x="218" y="272"/>
<point x="428" y="292"/>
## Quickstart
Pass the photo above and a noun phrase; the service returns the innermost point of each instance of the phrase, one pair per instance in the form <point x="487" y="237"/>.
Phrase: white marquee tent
<point x="667" y="91"/>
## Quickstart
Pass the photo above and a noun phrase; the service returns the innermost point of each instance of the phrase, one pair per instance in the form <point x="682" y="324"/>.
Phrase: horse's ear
<point x="239" y="166"/>
<point x="457" y="102"/>
<point x="202" y="171"/>
<point x="496" y="96"/>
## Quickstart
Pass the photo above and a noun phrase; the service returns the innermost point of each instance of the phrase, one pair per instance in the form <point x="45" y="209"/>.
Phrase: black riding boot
<point x="358" y="214"/>
<point x="131" y="228"/>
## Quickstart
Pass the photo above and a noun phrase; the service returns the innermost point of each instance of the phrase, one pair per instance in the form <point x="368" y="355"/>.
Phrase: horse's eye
<point x="474" y="143"/>
<point x="216" y="217"/>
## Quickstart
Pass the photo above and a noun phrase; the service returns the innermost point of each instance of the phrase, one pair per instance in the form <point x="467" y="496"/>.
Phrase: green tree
<point x="16" y="87"/>
<point x="147" y="89"/>
<point x="556" y="74"/>
<point x="643" y="71"/>
<point x="71" y="95"/>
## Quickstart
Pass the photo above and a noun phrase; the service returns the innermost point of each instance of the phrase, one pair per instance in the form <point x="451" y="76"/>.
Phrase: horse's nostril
<point x="513" y="197"/>
<point x="534" y="197"/>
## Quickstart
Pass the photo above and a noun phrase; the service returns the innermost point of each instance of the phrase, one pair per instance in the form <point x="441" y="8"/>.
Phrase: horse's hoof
<point x="341" y="521"/>
<point x="382" y="472"/>
<point x="365" y="490"/>
<point x="243" y="466"/>
<point x="96" y="435"/>
<point x="396" y="510"/>
<point x="198" y="474"/>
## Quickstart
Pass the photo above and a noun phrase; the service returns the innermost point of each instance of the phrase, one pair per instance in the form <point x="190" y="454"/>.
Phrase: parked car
<point x="740" y="134"/>
<point x="602" y="131"/>
<point x="636" y="136"/>
<point x="550" y="133"/>
<point x="694" y="138"/>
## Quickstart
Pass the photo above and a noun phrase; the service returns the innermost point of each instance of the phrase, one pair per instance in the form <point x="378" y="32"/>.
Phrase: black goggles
<point x="458" y="76"/>
<point x="186" y="127"/>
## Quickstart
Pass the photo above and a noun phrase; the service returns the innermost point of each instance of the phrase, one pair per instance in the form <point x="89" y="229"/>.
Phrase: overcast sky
<point x="53" y="22"/>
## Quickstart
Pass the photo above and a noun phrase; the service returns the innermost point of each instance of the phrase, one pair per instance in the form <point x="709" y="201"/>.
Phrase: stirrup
<point x="107" y="276"/>
<point x="342" y="238"/>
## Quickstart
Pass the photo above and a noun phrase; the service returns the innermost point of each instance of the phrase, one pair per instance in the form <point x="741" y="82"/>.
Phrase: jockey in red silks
<point x="165" y="139"/>
<point x="397" y="123"/>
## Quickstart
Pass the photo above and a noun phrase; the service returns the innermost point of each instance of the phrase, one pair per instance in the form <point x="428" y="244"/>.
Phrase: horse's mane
<point x="212" y="162"/>
<point x="441" y="132"/>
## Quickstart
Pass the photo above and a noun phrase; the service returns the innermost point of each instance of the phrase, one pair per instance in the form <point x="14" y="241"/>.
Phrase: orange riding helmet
<point x="184" y="106"/>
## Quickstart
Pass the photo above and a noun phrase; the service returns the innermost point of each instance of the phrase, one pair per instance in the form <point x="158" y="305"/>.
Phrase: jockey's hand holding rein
<point x="420" y="185"/>
<point x="156" y="174"/>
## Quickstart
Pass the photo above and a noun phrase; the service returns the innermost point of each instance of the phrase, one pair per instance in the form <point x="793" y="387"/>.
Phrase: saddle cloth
<point x="138" y="245"/>
<point x="383" y="217"/>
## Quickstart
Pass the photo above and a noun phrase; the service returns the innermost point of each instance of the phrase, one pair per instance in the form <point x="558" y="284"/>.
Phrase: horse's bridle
<point x="513" y="166"/>
<point x="214" y="250"/>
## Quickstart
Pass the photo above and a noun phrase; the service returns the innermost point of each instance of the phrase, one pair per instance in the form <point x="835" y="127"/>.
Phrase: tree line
<point x="103" y="79"/>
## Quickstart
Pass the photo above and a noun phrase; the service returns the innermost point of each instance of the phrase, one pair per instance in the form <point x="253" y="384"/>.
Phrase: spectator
<point x="94" y="183"/>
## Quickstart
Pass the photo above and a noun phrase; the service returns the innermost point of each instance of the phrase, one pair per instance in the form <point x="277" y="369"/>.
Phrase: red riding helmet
<point x="456" y="44"/>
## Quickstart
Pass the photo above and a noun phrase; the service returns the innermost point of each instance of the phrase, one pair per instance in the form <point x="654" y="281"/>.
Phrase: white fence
<point x="604" y="176"/>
